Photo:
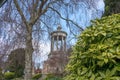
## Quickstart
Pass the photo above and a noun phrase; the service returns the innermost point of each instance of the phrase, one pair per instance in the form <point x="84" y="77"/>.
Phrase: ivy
<point x="96" y="54"/>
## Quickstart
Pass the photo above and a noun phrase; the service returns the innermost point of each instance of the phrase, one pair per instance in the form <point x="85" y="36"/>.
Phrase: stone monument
<point x="57" y="58"/>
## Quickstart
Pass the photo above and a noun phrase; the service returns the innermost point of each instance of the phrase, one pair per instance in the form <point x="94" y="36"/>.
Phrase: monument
<point x="57" y="59"/>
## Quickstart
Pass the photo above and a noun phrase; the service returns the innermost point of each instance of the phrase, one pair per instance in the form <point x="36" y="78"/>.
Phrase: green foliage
<point x="19" y="71"/>
<point x="18" y="79"/>
<point x="52" y="77"/>
<point x="112" y="7"/>
<point x="96" y="55"/>
<point x="37" y="76"/>
<point x="9" y="75"/>
<point x="1" y="75"/>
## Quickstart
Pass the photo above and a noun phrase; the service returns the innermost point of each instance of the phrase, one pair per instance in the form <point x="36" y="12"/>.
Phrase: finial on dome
<point x="59" y="27"/>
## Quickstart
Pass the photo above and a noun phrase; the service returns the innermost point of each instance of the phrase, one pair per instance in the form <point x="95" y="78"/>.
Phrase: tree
<point x="96" y="54"/>
<point x="16" y="62"/>
<point x="112" y="7"/>
<point x="38" y="15"/>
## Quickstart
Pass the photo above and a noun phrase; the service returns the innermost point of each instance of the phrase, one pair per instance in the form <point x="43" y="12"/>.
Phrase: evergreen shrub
<point x="1" y="75"/>
<point x="9" y="75"/>
<point x="52" y="77"/>
<point x="96" y="55"/>
<point x="36" y="76"/>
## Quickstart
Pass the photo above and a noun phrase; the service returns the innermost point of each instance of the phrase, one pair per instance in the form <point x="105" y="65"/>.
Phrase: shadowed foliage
<point x="112" y="7"/>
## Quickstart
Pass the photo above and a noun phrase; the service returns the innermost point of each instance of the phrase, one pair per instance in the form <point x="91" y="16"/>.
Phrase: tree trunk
<point x="28" y="55"/>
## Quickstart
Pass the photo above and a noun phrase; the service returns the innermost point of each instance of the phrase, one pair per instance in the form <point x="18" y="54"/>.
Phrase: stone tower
<point x="57" y="58"/>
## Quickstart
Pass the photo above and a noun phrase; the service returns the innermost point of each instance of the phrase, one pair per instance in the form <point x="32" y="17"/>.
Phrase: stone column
<point x="65" y="44"/>
<point x="62" y="47"/>
<point x="57" y="42"/>
<point x="52" y="43"/>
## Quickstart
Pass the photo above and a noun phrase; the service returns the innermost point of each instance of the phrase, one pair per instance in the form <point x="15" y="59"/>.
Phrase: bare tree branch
<point x="66" y="19"/>
<point x="2" y="2"/>
<point x="20" y="12"/>
<point x="41" y="10"/>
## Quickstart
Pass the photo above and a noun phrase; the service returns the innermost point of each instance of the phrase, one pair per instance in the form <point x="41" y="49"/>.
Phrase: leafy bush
<point x="19" y="71"/>
<point x="9" y="75"/>
<point x="1" y="75"/>
<point x="96" y="55"/>
<point x="18" y="79"/>
<point x="37" y="76"/>
<point x="52" y="77"/>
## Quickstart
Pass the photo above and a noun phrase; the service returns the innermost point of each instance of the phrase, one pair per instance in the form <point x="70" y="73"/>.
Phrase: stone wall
<point x="56" y="63"/>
